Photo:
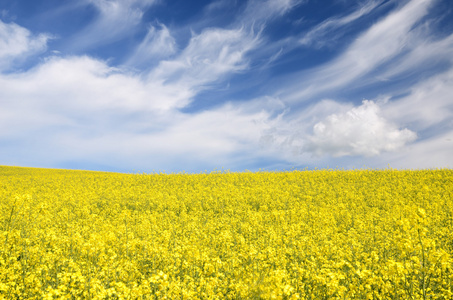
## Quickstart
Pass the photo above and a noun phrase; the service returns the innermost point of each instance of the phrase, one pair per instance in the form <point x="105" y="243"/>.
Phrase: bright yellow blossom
<point x="325" y="234"/>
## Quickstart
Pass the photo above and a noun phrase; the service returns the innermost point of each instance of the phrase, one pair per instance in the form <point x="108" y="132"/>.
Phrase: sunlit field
<point x="324" y="234"/>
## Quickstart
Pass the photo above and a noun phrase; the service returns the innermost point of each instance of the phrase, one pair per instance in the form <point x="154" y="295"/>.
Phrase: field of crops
<point x="324" y="234"/>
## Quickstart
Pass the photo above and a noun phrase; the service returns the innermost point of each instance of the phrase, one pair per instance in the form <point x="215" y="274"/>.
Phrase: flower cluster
<point x="322" y="234"/>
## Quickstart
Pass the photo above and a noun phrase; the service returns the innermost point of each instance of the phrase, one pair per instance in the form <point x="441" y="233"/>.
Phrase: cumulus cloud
<point x="17" y="43"/>
<point x="360" y="131"/>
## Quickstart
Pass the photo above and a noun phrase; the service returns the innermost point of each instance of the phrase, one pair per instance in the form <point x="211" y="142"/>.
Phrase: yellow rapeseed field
<point x="323" y="234"/>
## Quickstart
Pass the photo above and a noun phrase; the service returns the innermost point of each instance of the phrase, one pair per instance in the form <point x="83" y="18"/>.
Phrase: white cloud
<point x="208" y="57"/>
<point x="331" y="26"/>
<point x="332" y="129"/>
<point x="158" y="44"/>
<point x="428" y="103"/>
<point x="434" y="152"/>
<point x="82" y="110"/>
<point x="85" y="110"/>
<point x="426" y="54"/>
<point x="211" y="138"/>
<point x="116" y="19"/>
<point x="17" y="43"/>
<point x="258" y="12"/>
<point x="217" y="5"/>
<point x="360" y="131"/>
<point x="81" y="85"/>
<point x="288" y="131"/>
<point x="215" y="52"/>
<point x="379" y="44"/>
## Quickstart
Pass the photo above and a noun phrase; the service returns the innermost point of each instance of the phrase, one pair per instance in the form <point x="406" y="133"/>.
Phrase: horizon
<point x="227" y="171"/>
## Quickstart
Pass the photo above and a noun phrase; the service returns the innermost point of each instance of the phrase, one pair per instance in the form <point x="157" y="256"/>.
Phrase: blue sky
<point x="175" y="85"/>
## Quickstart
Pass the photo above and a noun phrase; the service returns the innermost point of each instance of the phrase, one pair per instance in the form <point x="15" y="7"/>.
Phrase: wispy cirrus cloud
<point x="115" y="20"/>
<point x="332" y="29"/>
<point x="427" y="54"/>
<point x="376" y="46"/>
<point x="428" y="104"/>
<point x="157" y="45"/>
<point x="209" y="56"/>
<point x="262" y="11"/>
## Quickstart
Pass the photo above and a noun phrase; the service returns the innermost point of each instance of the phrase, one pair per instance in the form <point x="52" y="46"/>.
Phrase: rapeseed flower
<point x="324" y="234"/>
